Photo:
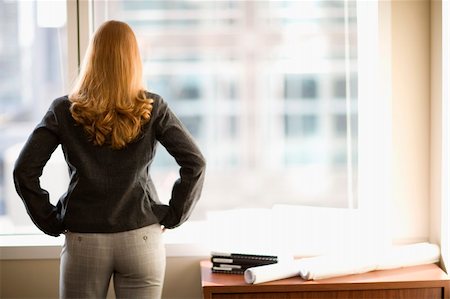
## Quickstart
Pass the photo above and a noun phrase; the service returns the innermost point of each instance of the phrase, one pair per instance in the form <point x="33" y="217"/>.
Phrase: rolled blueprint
<point x="271" y="272"/>
<point x="409" y="255"/>
<point x="322" y="267"/>
<point x="328" y="266"/>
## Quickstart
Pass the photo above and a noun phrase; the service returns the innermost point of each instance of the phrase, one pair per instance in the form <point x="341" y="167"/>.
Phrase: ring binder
<point x="237" y="263"/>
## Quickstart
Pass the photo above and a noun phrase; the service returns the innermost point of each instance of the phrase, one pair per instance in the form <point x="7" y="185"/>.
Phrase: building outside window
<point x="255" y="82"/>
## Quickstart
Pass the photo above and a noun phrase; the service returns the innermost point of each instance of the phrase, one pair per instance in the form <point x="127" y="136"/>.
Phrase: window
<point x="300" y="125"/>
<point x="300" y="87"/>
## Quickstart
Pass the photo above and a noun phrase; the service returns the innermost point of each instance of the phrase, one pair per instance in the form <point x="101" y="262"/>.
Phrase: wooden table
<point x="425" y="281"/>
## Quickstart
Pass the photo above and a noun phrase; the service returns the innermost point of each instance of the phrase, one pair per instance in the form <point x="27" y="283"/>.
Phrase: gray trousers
<point x="135" y="259"/>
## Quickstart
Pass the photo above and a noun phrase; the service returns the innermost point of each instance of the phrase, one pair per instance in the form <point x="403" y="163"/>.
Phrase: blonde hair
<point x="109" y="99"/>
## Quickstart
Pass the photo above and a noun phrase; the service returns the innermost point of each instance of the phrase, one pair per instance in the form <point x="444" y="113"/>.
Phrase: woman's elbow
<point x="200" y="164"/>
<point x="21" y="173"/>
<point x="18" y="173"/>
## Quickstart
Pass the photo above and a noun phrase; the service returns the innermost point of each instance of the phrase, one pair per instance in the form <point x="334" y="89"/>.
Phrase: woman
<point x="108" y="128"/>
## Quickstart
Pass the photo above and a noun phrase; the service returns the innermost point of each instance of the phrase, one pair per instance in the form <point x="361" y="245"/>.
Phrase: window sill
<point x="287" y="230"/>
<point x="183" y="241"/>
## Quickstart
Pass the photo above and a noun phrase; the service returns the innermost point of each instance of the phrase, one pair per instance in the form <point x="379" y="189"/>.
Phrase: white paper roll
<point x="271" y="272"/>
<point x="409" y="255"/>
<point x="328" y="266"/>
<point x="322" y="267"/>
<point x="331" y="266"/>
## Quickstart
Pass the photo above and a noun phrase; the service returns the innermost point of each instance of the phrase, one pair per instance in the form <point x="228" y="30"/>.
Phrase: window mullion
<point x="79" y="28"/>
<point x="72" y="43"/>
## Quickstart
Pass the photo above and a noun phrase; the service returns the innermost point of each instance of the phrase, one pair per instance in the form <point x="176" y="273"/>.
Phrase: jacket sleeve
<point x="28" y="169"/>
<point x="186" y="190"/>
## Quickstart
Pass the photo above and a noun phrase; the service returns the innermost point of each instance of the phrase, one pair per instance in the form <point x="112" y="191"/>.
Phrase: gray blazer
<point x="110" y="190"/>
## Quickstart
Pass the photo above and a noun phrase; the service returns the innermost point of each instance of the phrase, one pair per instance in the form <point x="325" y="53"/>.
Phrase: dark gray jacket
<point x="110" y="190"/>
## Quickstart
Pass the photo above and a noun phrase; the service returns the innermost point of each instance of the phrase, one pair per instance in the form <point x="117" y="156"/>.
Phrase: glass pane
<point x="33" y="55"/>
<point x="267" y="88"/>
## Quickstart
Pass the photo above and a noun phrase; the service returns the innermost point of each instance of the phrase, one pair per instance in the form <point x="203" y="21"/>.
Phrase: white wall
<point x="411" y="120"/>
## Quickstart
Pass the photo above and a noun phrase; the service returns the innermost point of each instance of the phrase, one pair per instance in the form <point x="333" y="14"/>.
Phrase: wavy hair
<point x="109" y="99"/>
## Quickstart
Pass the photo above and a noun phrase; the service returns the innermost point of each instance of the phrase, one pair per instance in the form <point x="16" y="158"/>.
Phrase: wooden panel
<point x="433" y="293"/>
